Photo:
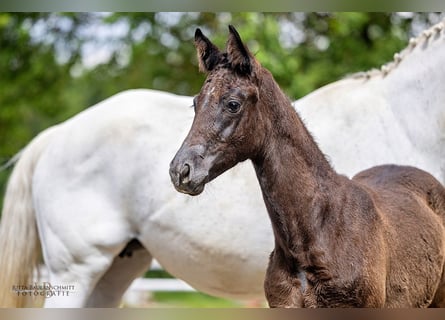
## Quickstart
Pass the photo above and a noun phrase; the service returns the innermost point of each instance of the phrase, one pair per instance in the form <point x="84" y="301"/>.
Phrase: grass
<point x="167" y="299"/>
<point x="191" y="300"/>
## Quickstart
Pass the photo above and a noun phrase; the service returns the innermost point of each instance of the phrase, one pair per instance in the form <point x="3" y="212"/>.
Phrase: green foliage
<point x="44" y="79"/>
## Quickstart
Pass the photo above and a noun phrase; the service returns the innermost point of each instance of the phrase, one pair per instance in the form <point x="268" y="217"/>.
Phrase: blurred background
<point x="53" y="65"/>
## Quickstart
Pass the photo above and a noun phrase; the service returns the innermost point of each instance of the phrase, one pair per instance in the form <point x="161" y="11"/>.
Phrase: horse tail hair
<point x="20" y="250"/>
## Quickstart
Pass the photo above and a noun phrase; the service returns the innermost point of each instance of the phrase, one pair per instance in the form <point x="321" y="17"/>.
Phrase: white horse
<point x="392" y="115"/>
<point x="100" y="179"/>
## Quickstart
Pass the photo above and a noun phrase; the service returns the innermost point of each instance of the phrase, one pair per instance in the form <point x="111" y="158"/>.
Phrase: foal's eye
<point x="233" y="106"/>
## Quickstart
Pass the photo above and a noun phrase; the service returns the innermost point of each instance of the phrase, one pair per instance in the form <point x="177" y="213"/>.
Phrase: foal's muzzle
<point x="187" y="173"/>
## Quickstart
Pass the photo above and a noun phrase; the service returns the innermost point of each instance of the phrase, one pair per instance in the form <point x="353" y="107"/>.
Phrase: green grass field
<point x="192" y="300"/>
<point x="188" y="299"/>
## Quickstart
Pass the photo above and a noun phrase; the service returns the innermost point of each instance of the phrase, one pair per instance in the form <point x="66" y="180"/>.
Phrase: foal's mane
<point x="423" y="38"/>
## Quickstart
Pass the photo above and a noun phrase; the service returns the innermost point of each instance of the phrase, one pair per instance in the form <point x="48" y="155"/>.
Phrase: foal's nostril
<point x="185" y="170"/>
<point x="185" y="173"/>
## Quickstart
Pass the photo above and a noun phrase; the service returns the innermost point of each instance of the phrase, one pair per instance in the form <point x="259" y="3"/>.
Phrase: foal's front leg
<point x="281" y="285"/>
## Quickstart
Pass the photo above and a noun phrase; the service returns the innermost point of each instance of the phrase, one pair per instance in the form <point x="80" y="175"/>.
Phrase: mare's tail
<point x="19" y="241"/>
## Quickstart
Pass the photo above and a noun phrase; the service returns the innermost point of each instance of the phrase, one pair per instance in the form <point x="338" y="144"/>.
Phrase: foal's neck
<point x="294" y="175"/>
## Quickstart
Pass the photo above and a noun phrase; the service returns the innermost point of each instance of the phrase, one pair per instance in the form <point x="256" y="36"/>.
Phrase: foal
<point x="374" y="241"/>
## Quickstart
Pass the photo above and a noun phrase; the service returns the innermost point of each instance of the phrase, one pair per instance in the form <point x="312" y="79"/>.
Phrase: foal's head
<point x="229" y="124"/>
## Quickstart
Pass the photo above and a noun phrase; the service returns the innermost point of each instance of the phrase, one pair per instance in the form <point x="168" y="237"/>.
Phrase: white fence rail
<point x="138" y="294"/>
<point x="159" y="284"/>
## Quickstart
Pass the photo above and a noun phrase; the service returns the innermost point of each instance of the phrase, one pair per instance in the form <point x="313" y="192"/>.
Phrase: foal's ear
<point x="238" y="54"/>
<point x="208" y="53"/>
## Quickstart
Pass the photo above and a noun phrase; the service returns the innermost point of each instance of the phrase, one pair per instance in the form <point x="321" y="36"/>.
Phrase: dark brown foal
<point x="376" y="240"/>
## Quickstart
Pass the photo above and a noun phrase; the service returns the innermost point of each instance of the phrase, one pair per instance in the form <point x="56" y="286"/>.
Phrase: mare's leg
<point x="282" y="288"/>
<point x="113" y="284"/>
<point x="81" y="233"/>
<point x="71" y="287"/>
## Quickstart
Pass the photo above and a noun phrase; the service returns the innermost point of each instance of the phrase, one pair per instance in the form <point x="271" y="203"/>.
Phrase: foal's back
<point x="394" y="181"/>
<point x="412" y="205"/>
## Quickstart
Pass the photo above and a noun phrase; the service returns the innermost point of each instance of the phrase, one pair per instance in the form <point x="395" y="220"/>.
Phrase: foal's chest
<point x="332" y="293"/>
